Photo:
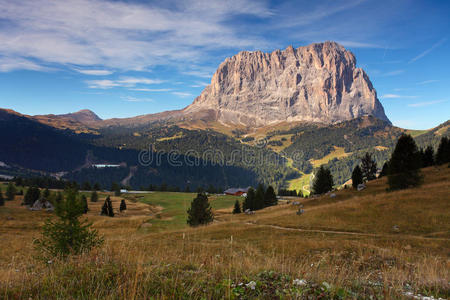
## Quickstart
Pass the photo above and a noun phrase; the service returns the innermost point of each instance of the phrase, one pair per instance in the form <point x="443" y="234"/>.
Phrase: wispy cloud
<point x="426" y="52"/>
<point x="428" y="81"/>
<point x="396" y="96"/>
<point x="94" y="72"/>
<point x="128" y="82"/>
<point x="182" y="94"/>
<point x="200" y="84"/>
<point x="427" y="103"/>
<point x="149" y="90"/>
<point x="134" y="99"/>
<point x="121" y="35"/>
<point x="393" y="73"/>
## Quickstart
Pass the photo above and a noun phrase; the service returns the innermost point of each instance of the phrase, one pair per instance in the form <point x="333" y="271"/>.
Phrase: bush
<point x="32" y="195"/>
<point x="10" y="192"/>
<point x="67" y="235"/>
<point x="123" y="205"/>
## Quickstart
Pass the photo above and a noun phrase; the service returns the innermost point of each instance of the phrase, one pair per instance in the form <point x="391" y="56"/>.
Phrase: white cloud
<point x="427" y="81"/>
<point x="199" y="84"/>
<point x="428" y="103"/>
<point x="426" y="52"/>
<point x="150" y="90"/>
<point x="393" y="73"/>
<point x="129" y="82"/>
<point x="395" y="96"/>
<point x="8" y="64"/>
<point x="95" y="72"/>
<point x="182" y="94"/>
<point x="134" y="99"/>
<point x="120" y="35"/>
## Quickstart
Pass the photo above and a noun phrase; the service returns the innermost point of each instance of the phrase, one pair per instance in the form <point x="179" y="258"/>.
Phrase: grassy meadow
<point x="357" y="245"/>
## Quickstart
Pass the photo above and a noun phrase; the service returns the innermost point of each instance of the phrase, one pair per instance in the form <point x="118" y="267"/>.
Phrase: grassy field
<point x="368" y="244"/>
<point x="338" y="152"/>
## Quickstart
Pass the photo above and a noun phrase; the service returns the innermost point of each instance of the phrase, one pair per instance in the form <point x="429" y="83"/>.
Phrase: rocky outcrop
<point x="315" y="83"/>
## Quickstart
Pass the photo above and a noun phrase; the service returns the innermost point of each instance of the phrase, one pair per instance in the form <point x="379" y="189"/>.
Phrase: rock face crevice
<point x="315" y="83"/>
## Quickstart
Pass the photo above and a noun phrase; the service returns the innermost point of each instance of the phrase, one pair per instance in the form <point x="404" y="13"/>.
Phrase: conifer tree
<point x="10" y="192"/>
<point x="428" y="157"/>
<point x="96" y="186"/>
<point x="32" y="195"/>
<point x="123" y="205"/>
<point x="110" y="207"/>
<point x="270" y="198"/>
<point x="59" y="197"/>
<point x="443" y="152"/>
<point x="2" y="200"/>
<point x="385" y="169"/>
<point x="94" y="196"/>
<point x="104" y="211"/>
<point x="259" y="197"/>
<point x="200" y="211"/>
<point x="46" y="194"/>
<point x="67" y="235"/>
<point x="249" y="202"/>
<point x="357" y="177"/>
<point x="323" y="181"/>
<point x="237" y="207"/>
<point x="85" y="204"/>
<point x="368" y="167"/>
<point x="404" y="165"/>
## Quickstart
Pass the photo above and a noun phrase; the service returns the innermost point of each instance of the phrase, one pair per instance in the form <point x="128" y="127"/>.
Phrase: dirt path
<point x="347" y="233"/>
<point x="126" y="180"/>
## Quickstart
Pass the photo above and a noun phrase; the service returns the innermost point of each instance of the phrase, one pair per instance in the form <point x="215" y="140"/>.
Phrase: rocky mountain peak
<point x="315" y="83"/>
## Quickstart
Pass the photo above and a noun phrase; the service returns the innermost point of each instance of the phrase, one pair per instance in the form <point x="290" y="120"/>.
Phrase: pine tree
<point x="428" y="157"/>
<point x="59" y="197"/>
<point x="10" y="192"/>
<point x="110" y="207"/>
<point x="368" y="167"/>
<point x="385" y="169"/>
<point x="404" y="165"/>
<point x="94" y="196"/>
<point x="86" y="186"/>
<point x="249" y="202"/>
<point x="259" y="197"/>
<point x="123" y="205"/>
<point x="46" y="194"/>
<point x="443" y="152"/>
<point x="96" y="186"/>
<point x="32" y="195"/>
<point x="237" y="207"/>
<point x="2" y="200"/>
<point x="67" y="235"/>
<point x="323" y="181"/>
<point x="200" y="211"/>
<point x="104" y="211"/>
<point x="84" y="202"/>
<point x="270" y="198"/>
<point x="357" y="177"/>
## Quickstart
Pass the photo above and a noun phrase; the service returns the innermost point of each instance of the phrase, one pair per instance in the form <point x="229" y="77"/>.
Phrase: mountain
<point x="315" y="83"/>
<point x="82" y="121"/>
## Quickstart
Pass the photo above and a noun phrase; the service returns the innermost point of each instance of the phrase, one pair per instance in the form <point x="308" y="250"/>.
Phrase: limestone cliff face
<point x="315" y="83"/>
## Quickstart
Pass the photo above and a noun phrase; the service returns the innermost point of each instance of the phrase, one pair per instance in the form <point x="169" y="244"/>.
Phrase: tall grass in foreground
<point x="189" y="268"/>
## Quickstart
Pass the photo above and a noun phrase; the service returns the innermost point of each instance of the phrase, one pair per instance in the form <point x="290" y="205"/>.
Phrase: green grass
<point x="416" y="133"/>
<point x="175" y="205"/>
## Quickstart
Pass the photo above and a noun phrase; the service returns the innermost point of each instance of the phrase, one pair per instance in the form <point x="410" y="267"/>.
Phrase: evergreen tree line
<point x="257" y="199"/>
<point x="293" y="193"/>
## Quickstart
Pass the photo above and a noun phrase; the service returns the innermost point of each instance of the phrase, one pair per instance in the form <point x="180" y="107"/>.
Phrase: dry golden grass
<point x="347" y="241"/>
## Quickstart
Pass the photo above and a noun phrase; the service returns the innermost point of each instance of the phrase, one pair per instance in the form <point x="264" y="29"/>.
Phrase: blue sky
<point x="126" y="58"/>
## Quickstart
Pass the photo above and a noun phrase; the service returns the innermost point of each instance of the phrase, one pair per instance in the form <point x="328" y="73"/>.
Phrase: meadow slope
<point x="364" y="244"/>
